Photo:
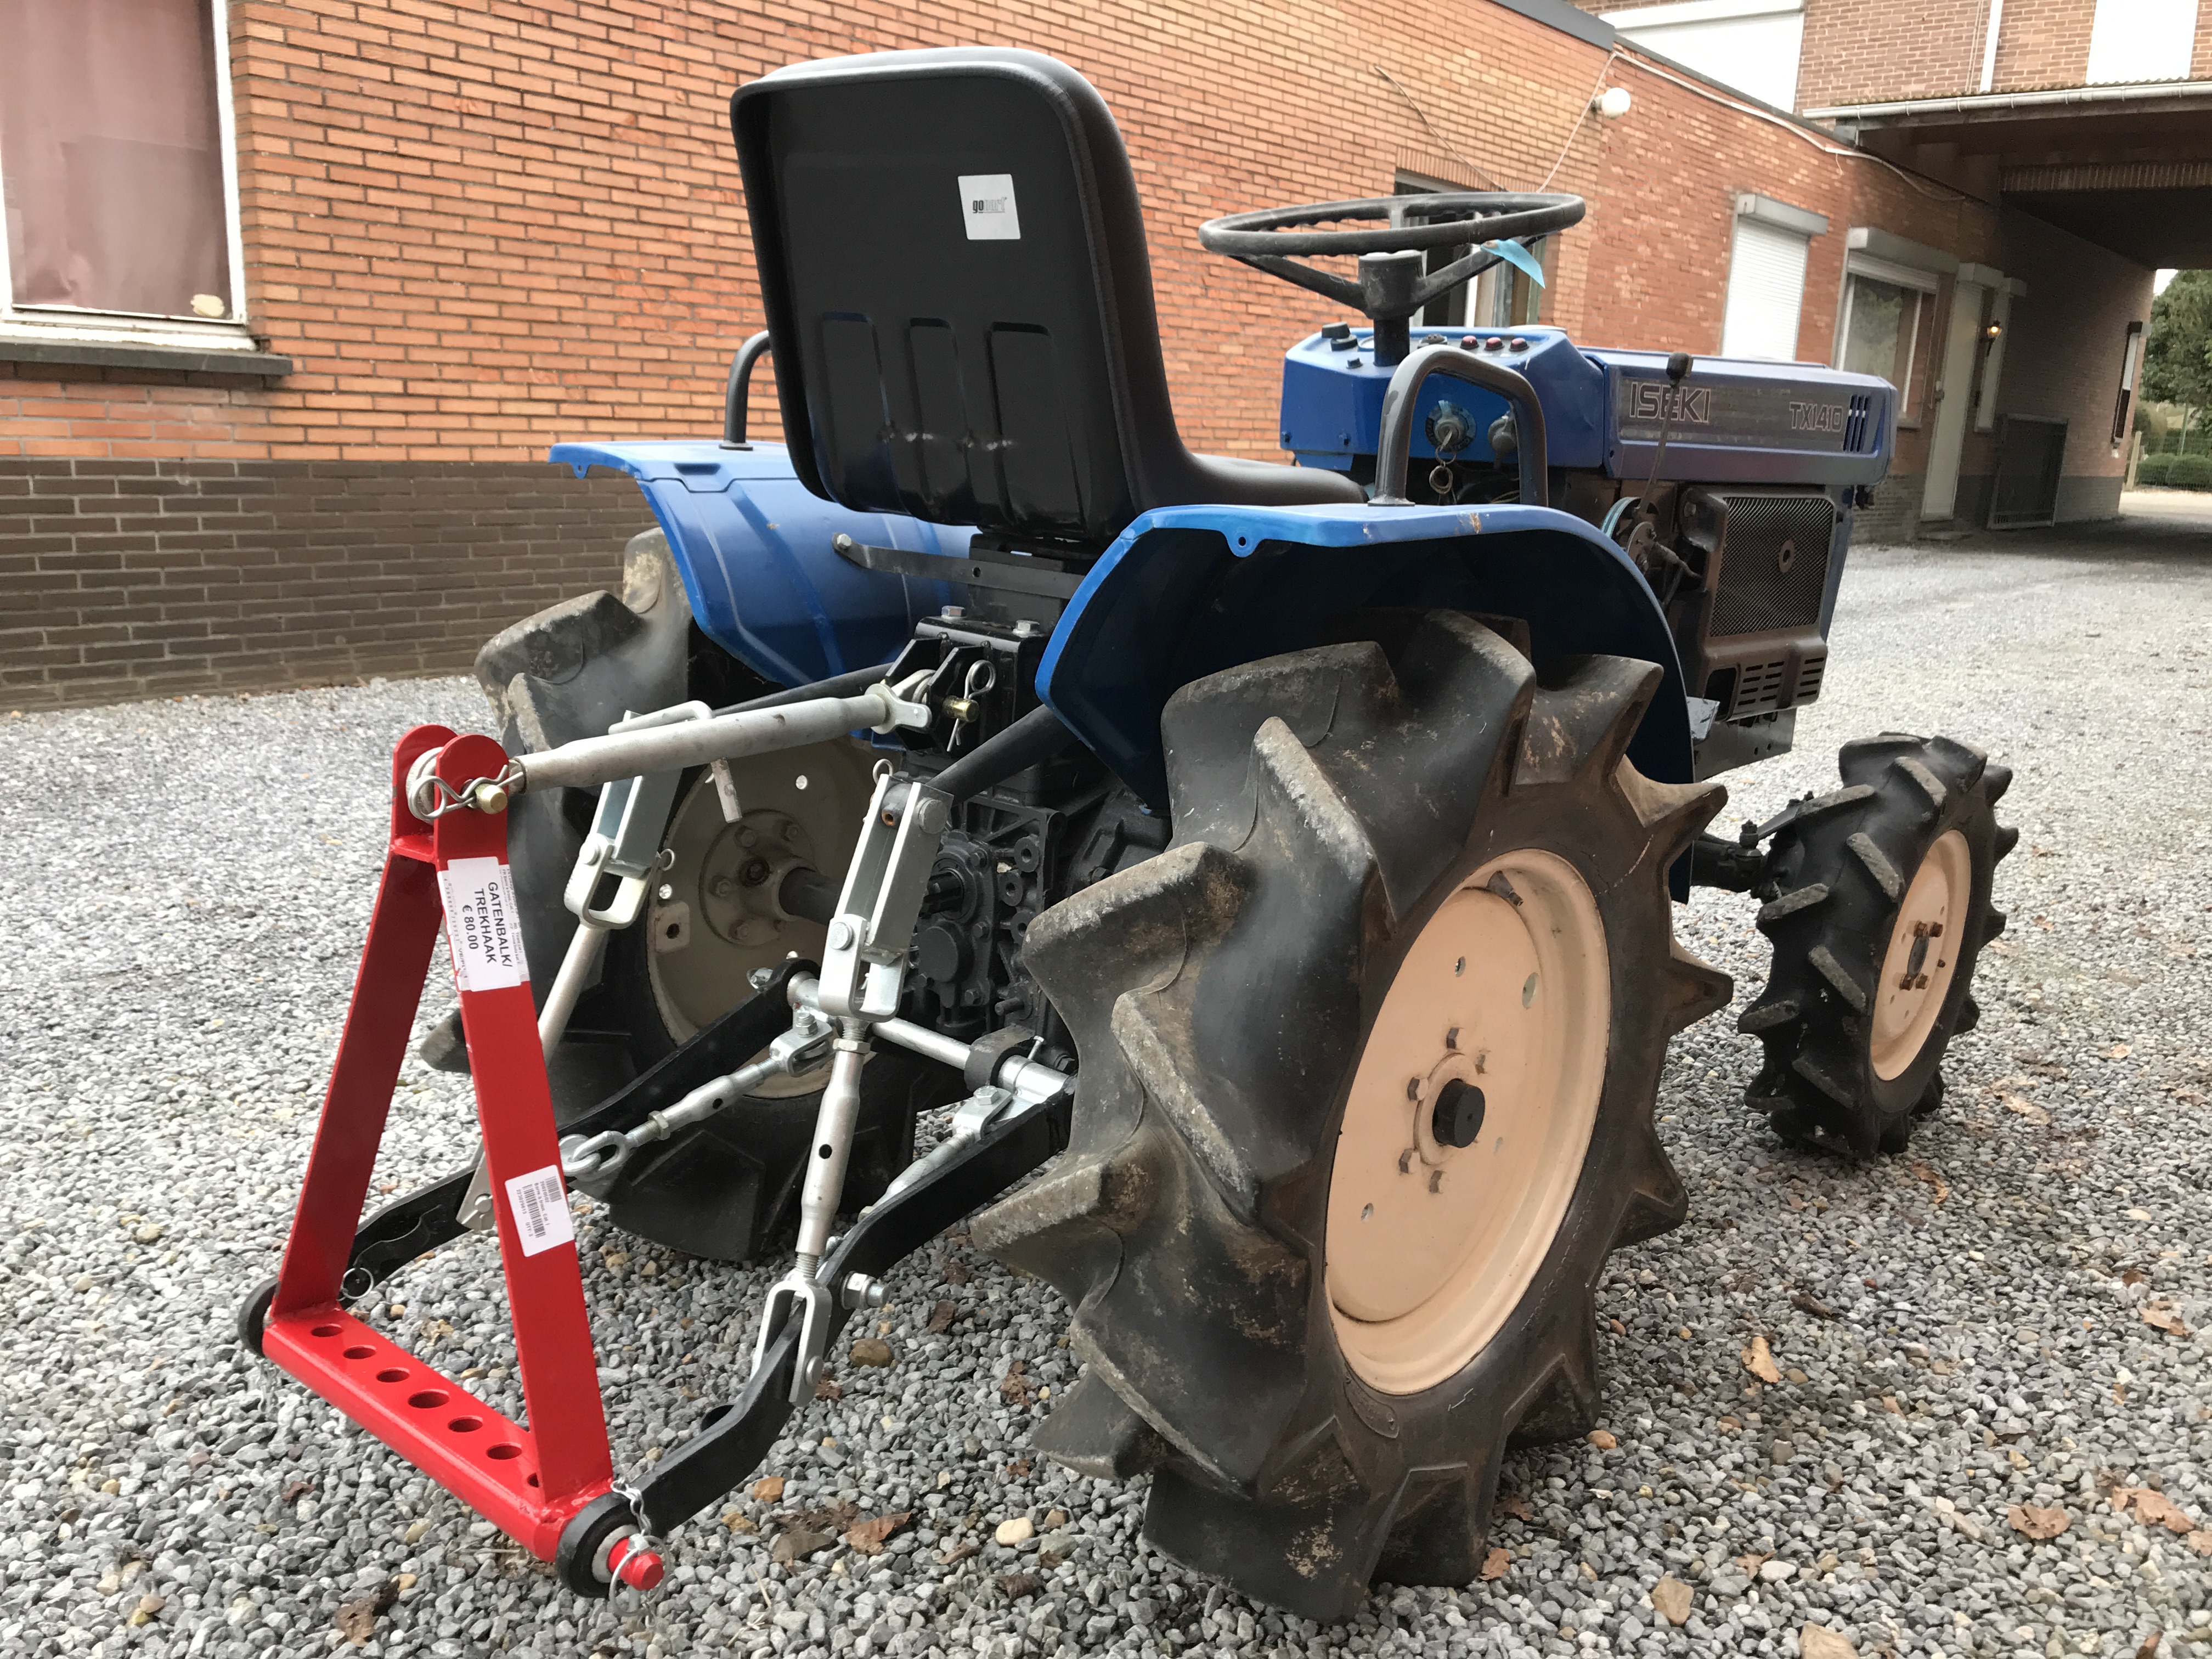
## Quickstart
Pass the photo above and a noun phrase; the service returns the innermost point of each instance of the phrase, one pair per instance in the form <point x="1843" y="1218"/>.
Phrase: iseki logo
<point x="1691" y="405"/>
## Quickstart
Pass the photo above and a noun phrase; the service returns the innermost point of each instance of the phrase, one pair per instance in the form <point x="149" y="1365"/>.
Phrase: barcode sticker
<point x="484" y="930"/>
<point x="539" y="1204"/>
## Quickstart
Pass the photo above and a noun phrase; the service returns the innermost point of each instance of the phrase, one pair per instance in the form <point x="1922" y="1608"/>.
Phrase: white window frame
<point x="1880" y="271"/>
<point x="1778" y="215"/>
<point x="20" y="322"/>
<point x="1889" y="259"/>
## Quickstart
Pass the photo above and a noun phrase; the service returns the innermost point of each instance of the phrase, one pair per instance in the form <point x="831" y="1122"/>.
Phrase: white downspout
<point x="1990" y="45"/>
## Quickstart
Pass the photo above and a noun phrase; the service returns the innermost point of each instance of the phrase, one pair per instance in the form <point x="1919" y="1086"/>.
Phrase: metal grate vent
<point x="1774" y="562"/>
<point x="1856" y="437"/>
<point x="1810" y="676"/>
<point x="1759" y="687"/>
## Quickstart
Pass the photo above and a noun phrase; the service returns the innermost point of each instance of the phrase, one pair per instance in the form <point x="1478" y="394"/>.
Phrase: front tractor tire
<point x="1878" y="910"/>
<point x="1368" y="1062"/>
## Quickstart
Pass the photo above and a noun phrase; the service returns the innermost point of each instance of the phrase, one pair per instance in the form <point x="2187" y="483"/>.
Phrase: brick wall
<point x="151" y="577"/>
<point x="1857" y="53"/>
<point x="479" y="230"/>
<point x="2062" y="359"/>
<point x="2043" y="43"/>
<point x="1853" y="53"/>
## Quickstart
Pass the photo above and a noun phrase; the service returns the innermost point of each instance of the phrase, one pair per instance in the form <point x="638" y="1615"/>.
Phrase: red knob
<point x="641" y="1569"/>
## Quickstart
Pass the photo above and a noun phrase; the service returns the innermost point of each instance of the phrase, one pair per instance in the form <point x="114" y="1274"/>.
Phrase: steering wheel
<point x="1388" y="289"/>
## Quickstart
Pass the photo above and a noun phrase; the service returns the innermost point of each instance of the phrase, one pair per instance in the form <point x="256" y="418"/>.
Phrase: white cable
<point x="1604" y="69"/>
<point x="1936" y="193"/>
<point x="1423" y="118"/>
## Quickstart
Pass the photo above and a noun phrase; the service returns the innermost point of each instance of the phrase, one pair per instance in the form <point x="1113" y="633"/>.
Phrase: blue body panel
<point x="1188" y="591"/>
<point x="1333" y="400"/>
<point x="1737" y="420"/>
<point x="753" y="546"/>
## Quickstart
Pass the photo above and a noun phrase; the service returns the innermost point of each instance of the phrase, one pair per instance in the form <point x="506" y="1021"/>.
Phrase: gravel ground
<point x="1982" y="1324"/>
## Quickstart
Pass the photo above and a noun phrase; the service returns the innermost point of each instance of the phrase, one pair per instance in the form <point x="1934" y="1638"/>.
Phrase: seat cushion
<point x="1236" y="480"/>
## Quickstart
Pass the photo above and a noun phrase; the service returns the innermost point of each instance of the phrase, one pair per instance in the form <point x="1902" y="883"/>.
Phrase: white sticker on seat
<point x="484" y="929"/>
<point x="539" y="1204"/>
<point x="987" y="204"/>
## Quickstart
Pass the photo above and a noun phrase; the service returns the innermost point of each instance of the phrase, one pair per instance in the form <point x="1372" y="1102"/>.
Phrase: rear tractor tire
<point x="728" y="1189"/>
<point x="1368" y="1061"/>
<point x="1880" y="909"/>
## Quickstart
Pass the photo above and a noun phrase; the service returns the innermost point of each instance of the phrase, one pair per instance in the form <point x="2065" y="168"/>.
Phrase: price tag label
<point x="483" y="929"/>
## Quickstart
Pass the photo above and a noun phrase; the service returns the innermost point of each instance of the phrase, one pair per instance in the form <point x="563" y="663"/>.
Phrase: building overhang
<point x="2128" y="167"/>
<point x="2010" y="106"/>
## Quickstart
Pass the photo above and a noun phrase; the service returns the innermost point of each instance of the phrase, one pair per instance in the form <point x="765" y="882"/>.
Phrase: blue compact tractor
<point x="1277" y="861"/>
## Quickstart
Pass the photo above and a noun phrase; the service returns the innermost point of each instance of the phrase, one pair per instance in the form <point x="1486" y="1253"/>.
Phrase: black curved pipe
<point x="735" y="395"/>
<point x="1038" y="736"/>
<point x="1395" y="439"/>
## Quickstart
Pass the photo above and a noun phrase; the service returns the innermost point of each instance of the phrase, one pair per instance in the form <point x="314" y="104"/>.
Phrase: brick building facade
<point x="465" y="231"/>
<point x="2084" y="125"/>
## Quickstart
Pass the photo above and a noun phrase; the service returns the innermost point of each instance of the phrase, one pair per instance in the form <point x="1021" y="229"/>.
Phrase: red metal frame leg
<point x="532" y="1481"/>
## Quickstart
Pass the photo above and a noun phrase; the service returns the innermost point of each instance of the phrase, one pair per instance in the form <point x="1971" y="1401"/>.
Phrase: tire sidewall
<point x="1968" y="812"/>
<point x="1548" y="1326"/>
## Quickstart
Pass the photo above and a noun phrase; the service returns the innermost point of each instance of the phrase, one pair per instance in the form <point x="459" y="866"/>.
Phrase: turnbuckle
<point x="593" y="1161"/>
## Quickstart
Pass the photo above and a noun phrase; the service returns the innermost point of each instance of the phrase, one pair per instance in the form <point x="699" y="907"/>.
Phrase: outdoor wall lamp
<point x="1612" y="103"/>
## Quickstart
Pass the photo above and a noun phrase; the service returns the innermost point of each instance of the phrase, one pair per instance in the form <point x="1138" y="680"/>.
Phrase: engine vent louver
<point x="1858" y="438"/>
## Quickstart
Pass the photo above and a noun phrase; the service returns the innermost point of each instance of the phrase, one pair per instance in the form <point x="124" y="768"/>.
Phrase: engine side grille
<point x="1855" y="435"/>
<point x="1774" y="562"/>
<point x="1810" y="676"/>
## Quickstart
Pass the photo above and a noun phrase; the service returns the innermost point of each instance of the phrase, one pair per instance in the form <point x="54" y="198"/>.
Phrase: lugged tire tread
<point x="1206" y="995"/>
<point x="1864" y="843"/>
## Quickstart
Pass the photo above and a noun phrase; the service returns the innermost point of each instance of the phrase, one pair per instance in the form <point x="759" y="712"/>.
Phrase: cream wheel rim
<point x="1922" y="955"/>
<point x="713" y="918"/>
<point x="1430" y="1246"/>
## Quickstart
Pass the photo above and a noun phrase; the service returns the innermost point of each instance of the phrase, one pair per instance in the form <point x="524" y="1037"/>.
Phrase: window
<point x="1881" y="329"/>
<point x="2130" y="360"/>
<point x="1448" y="309"/>
<point x="1767" y="277"/>
<point x="115" y="162"/>
<point x="1885" y="318"/>
<point x="1750" y="45"/>
<point x="1499" y="296"/>
<point x="2142" y="40"/>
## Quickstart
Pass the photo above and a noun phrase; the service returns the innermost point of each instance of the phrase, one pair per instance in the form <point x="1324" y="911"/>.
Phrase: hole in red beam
<point x="533" y="1480"/>
<point x="391" y="1374"/>
<point x="324" y="1330"/>
<point x="427" y="1398"/>
<point x="505" y="1450"/>
<point x="359" y="1351"/>
<point x="466" y="1424"/>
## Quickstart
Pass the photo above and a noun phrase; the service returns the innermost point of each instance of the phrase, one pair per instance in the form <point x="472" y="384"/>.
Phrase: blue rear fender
<point x="1188" y="591"/>
<point x="753" y="547"/>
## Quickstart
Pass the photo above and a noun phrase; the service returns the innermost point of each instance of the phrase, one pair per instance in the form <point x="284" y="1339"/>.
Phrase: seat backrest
<point x="952" y="259"/>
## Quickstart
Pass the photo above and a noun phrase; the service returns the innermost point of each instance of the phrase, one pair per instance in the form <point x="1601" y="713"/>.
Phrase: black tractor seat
<point x="952" y="258"/>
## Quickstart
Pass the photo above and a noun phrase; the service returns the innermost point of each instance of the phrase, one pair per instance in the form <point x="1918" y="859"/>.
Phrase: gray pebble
<point x="185" y="898"/>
